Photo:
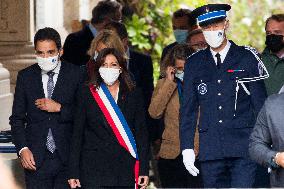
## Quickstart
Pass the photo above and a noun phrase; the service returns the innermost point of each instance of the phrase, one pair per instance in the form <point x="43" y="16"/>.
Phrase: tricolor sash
<point x="117" y="123"/>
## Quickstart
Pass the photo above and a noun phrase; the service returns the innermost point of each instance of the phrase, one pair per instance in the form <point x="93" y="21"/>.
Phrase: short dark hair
<point x="105" y="9"/>
<point x="276" y="17"/>
<point x="185" y="12"/>
<point x="48" y="34"/>
<point x="124" y="77"/>
<point x="181" y="13"/>
<point x="119" y="28"/>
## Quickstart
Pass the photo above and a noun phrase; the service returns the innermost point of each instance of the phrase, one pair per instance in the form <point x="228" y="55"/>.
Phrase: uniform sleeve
<point x="189" y="108"/>
<point x="18" y="117"/>
<point x="141" y="135"/>
<point x="160" y="98"/>
<point x="260" y="140"/>
<point x="257" y="88"/>
<point x="77" y="137"/>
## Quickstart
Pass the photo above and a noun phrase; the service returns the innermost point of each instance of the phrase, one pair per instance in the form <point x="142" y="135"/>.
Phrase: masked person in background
<point x="110" y="146"/>
<point x="196" y="40"/>
<point x="225" y="82"/>
<point x="273" y="54"/>
<point x="181" y="24"/>
<point x="165" y="103"/>
<point x="42" y="115"/>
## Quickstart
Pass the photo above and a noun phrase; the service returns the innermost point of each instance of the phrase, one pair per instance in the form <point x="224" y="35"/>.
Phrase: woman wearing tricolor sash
<point x="110" y="145"/>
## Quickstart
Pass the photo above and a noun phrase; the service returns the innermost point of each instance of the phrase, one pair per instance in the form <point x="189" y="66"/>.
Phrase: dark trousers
<point x="262" y="177"/>
<point x="173" y="174"/>
<point x="228" y="173"/>
<point x="52" y="174"/>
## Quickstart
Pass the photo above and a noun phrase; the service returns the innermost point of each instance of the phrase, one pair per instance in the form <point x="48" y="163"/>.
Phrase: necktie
<point x="218" y="56"/>
<point x="50" y="143"/>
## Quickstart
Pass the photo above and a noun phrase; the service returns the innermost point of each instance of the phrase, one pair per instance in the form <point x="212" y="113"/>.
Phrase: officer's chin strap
<point x="247" y="80"/>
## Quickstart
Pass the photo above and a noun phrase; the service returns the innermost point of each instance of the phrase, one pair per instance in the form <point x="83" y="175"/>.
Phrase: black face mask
<point x="274" y="42"/>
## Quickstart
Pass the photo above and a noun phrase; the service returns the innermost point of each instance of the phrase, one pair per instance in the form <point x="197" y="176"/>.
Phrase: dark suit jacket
<point x="141" y="66"/>
<point x="76" y="46"/>
<point x="30" y="125"/>
<point x="96" y="156"/>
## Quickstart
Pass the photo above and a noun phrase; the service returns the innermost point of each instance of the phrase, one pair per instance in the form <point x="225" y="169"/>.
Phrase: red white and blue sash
<point x="117" y="123"/>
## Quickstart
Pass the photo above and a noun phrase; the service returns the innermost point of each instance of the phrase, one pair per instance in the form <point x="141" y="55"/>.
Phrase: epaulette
<point x="252" y="50"/>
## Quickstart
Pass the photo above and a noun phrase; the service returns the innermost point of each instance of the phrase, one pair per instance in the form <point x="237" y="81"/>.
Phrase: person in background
<point x="273" y="54"/>
<point x="77" y="44"/>
<point x="196" y="40"/>
<point x="42" y="114"/>
<point x="104" y="39"/>
<point x="224" y="82"/>
<point x="138" y="64"/>
<point x="266" y="144"/>
<point x="165" y="103"/>
<point x="181" y="24"/>
<point x="110" y="147"/>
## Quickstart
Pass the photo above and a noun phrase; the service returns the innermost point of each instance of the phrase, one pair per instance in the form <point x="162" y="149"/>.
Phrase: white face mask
<point x="179" y="74"/>
<point x="109" y="75"/>
<point x="214" y="38"/>
<point x="47" y="64"/>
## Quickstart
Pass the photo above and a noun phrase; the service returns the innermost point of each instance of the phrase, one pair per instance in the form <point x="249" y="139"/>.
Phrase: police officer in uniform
<point x="226" y="82"/>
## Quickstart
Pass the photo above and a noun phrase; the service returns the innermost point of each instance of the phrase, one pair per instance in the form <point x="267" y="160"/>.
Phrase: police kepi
<point x="225" y="83"/>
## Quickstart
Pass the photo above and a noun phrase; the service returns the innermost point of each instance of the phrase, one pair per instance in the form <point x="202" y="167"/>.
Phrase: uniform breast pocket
<point x="204" y="87"/>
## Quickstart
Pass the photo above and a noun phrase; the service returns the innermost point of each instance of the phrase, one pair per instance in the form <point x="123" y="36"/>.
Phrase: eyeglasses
<point x="200" y="45"/>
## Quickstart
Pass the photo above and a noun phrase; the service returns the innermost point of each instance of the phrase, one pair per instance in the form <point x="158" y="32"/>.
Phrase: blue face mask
<point x="180" y="35"/>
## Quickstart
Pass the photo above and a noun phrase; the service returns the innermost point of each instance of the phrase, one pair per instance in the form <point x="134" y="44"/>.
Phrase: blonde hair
<point x="108" y="38"/>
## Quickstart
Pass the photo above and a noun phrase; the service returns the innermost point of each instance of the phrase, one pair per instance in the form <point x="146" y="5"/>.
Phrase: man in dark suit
<point x="77" y="44"/>
<point x="224" y="90"/>
<point x="42" y="115"/>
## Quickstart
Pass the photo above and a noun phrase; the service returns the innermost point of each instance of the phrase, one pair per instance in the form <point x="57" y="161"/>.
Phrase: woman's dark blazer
<point x="96" y="157"/>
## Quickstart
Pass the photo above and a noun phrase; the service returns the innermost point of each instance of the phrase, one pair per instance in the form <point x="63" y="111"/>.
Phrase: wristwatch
<point x="273" y="164"/>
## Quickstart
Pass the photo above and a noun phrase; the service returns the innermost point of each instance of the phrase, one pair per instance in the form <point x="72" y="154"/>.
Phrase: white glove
<point x="188" y="161"/>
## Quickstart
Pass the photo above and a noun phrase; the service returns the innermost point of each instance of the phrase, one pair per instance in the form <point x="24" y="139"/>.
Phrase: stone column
<point x="49" y="13"/>
<point x="6" y="99"/>
<point x="16" y="32"/>
<point x="71" y="13"/>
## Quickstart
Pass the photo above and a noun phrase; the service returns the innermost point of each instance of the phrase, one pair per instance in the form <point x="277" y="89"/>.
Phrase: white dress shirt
<point x="44" y="78"/>
<point x="223" y="53"/>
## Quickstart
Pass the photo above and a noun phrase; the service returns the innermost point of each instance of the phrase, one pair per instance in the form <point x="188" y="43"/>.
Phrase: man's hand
<point x="279" y="159"/>
<point x="74" y="183"/>
<point x="188" y="161"/>
<point x="27" y="159"/>
<point x="48" y="105"/>
<point x="143" y="181"/>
